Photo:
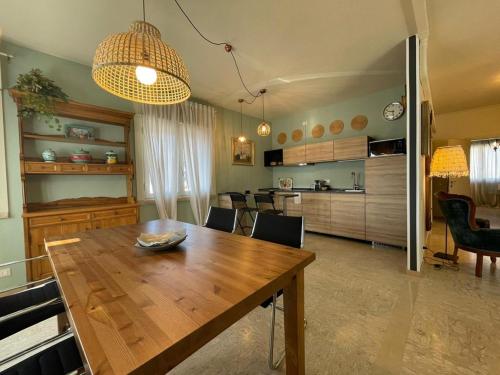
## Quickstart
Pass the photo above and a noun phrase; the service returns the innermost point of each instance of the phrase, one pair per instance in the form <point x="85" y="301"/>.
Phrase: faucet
<point x="355" y="180"/>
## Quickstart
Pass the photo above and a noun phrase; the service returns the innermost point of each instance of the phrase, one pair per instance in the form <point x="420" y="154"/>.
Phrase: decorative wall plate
<point x="318" y="131"/>
<point x="282" y="138"/>
<point x="297" y="135"/>
<point x="359" y="122"/>
<point x="336" y="127"/>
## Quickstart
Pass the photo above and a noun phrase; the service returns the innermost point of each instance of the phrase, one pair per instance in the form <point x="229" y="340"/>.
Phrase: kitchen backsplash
<point x="339" y="174"/>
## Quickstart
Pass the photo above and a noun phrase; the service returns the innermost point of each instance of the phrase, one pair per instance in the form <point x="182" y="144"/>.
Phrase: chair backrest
<point x="223" y="219"/>
<point x="28" y="307"/>
<point x="284" y="230"/>
<point x="264" y="201"/>
<point x="238" y="200"/>
<point x="459" y="211"/>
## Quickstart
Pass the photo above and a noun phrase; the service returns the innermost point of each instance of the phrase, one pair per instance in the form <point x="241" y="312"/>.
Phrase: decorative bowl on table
<point x="81" y="156"/>
<point x="161" y="241"/>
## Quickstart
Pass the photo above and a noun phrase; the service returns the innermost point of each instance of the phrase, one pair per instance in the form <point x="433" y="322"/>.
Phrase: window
<point x="485" y="173"/>
<point x="144" y="185"/>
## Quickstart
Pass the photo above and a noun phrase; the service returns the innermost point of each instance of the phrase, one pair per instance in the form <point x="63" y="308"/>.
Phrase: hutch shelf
<point x="65" y="216"/>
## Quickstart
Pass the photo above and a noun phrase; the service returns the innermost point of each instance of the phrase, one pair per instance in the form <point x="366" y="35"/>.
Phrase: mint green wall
<point x="339" y="173"/>
<point x="76" y="81"/>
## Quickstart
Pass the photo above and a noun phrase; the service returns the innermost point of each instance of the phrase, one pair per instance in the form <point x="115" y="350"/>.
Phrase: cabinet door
<point x="386" y="219"/>
<point x="348" y="215"/>
<point x="293" y="205"/>
<point x="294" y="155"/>
<point x="386" y="175"/>
<point x="316" y="211"/>
<point x="318" y="152"/>
<point x="350" y="148"/>
<point x="42" y="269"/>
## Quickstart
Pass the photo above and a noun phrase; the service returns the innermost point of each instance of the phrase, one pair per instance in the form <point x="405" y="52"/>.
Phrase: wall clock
<point x="393" y="111"/>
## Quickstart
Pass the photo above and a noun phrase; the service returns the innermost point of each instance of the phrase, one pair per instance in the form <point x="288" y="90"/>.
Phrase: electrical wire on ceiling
<point x="229" y="49"/>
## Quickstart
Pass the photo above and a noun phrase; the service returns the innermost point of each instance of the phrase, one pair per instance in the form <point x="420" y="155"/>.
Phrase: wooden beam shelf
<point x="69" y="168"/>
<point x="62" y="138"/>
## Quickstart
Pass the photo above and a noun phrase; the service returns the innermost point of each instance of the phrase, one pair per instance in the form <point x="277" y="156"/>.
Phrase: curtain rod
<point x="485" y="139"/>
<point x="6" y="55"/>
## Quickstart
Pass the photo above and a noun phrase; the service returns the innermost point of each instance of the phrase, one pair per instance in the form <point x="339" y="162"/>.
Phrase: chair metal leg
<point x="274" y="365"/>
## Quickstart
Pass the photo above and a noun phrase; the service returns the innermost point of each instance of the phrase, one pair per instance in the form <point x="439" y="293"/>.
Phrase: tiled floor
<point x="366" y="315"/>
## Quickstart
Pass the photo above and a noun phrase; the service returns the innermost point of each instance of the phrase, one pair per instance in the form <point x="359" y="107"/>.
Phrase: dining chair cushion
<point x="59" y="359"/>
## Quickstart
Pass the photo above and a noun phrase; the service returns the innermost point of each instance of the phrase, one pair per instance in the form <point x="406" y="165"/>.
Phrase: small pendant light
<point x="241" y="138"/>
<point x="264" y="129"/>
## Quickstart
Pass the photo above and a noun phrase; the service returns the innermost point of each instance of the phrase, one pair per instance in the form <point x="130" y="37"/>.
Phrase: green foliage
<point x="39" y="97"/>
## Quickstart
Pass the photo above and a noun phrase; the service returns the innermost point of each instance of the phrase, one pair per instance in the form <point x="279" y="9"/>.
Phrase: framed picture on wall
<point x="242" y="153"/>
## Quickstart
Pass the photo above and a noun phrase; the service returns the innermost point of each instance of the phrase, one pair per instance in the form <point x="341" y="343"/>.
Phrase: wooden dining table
<point x="136" y="311"/>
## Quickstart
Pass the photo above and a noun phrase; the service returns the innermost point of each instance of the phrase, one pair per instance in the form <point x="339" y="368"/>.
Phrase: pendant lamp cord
<point x="143" y="11"/>
<point x="228" y="47"/>
<point x="263" y="118"/>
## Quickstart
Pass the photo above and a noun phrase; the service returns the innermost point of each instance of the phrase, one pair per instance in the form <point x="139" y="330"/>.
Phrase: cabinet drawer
<point x="58" y="219"/>
<point x="350" y="148"/>
<point x="386" y="175"/>
<point x="108" y="168"/>
<point x="75" y="168"/>
<point x="114" y="221"/>
<point x="112" y="213"/>
<point x="38" y="167"/>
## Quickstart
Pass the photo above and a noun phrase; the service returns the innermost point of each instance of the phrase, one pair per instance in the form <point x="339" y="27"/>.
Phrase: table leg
<point x="284" y="206"/>
<point x="294" y="325"/>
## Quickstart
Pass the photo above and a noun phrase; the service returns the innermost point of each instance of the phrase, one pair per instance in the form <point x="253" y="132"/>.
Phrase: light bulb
<point x="145" y="75"/>
<point x="242" y="139"/>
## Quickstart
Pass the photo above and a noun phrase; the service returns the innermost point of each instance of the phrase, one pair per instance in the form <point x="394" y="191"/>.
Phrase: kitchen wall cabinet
<point x="386" y="175"/>
<point x="316" y="212"/>
<point x="350" y="148"/>
<point x="348" y="215"/>
<point x="294" y="155"/>
<point x="319" y="152"/>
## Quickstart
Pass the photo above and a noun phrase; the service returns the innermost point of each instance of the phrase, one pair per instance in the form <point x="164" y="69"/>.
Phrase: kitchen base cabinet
<point x="293" y="205"/>
<point x="348" y="215"/>
<point x="386" y="219"/>
<point x="316" y="212"/>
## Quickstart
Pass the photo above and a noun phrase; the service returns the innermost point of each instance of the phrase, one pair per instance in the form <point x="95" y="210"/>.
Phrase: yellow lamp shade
<point x="139" y="66"/>
<point x="264" y="129"/>
<point x="449" y="161"/>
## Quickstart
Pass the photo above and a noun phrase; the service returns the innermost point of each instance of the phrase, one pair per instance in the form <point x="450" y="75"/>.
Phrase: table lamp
<point x="448" y="161"/>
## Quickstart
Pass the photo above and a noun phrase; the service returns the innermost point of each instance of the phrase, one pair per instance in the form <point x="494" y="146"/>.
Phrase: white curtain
<point x="197" y="135"/>
<point x="485" y="174"/>
<point x="180" y="138"/>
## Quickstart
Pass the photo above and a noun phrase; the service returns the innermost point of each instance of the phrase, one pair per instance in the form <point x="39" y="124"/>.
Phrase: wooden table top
<point x="143" y="312"/>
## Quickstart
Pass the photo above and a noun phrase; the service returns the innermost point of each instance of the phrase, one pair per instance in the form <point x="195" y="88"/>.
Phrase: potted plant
<point x="39" y="95"/>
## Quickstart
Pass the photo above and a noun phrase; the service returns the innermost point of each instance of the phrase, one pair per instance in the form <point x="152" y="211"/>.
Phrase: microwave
<point x="386" y="147"/>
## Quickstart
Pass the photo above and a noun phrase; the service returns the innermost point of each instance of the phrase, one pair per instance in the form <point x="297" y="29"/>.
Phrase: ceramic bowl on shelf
<point x="49" y="155"/>
<point x="111" y="157"/>
<point x="81" y="156"/>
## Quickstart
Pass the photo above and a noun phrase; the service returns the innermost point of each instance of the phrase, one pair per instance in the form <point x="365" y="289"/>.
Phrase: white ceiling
<point x="307" y="53"/>
<point x="464" y="53"/>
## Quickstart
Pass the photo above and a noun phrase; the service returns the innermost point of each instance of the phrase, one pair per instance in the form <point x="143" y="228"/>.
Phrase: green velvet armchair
<point x="469" y="233"/>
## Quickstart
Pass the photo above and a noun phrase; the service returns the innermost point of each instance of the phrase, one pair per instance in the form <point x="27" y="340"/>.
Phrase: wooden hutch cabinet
<point x="66" y="216"/>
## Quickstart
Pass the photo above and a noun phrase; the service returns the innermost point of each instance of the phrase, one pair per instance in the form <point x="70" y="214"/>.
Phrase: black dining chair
<point x="265" y="204"/>
<point x="26" y="305"/>
<point x="284" y="230"/>
<point x="223" y="219"/>
<point x="239" y="202"/>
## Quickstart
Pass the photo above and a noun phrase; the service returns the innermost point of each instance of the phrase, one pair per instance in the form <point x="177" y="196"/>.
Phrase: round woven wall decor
<point x="281" y="138"/>
<point x="297" y="135"/>
<point x="359" y="122"/>
<point x="336" y="126"/>
<point x="318" y="131"/>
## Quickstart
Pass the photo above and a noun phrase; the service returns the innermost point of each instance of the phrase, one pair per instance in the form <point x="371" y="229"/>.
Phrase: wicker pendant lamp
<point x="264" y="129"/>
<point x="137" y="65"/>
